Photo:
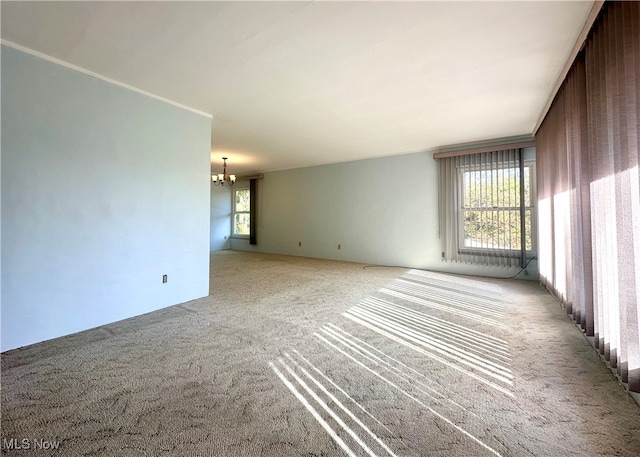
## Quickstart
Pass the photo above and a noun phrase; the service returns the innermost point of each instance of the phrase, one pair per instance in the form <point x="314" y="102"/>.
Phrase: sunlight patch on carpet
<point x="332" y="414"/>
<point x="454" y="324"/>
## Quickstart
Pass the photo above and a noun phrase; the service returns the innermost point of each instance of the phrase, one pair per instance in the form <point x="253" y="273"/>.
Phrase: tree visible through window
<point x="490" y="209"/>
<point x="241" y="215"/>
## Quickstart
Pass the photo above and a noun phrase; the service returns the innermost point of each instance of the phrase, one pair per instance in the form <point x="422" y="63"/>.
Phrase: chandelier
<point x="223" y="177"/>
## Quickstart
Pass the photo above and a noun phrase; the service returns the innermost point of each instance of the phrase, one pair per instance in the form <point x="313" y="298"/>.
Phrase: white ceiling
<point x="293" y="84"/>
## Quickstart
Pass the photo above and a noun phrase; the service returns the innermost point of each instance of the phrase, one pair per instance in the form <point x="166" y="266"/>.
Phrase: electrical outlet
<point x="339" y="246"/>
<point x="299" y="243"/>
<point x="164" y="279"/>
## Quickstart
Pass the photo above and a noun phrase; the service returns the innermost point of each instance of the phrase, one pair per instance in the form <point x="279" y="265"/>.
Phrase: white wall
<point x="104" y="190"/>
<point x="220" y="218"/>
<point x="381" y="211"/>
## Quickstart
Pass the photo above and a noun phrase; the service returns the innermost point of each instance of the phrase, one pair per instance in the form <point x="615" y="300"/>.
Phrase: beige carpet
<point x="292" y="356"/>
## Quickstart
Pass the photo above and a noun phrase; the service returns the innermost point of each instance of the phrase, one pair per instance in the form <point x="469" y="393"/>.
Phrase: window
<point x="486" y="206"/>
<point x="490" y="218"/>
<point x="241" y="220"/>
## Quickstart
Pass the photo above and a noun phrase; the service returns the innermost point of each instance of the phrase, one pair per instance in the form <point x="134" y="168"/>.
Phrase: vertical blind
<point x="589" y="192"/>
<point x="485" y="208"/>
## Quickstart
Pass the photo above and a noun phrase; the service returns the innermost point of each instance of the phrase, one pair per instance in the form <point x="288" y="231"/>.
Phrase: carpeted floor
<point x="292" y="356"/>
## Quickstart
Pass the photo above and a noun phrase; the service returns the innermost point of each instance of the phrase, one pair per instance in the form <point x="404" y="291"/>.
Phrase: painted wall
<point x="220" y="218"/>
<point x="104" y="191"/>
<point x="381" y="211"/>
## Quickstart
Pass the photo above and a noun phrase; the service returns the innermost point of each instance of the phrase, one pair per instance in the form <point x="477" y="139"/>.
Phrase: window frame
<point x="234" y="211"/>
<point x="493" y="251"/>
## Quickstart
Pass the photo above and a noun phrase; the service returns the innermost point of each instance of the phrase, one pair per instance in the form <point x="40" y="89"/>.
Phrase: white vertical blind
<point x="482" y="208"/>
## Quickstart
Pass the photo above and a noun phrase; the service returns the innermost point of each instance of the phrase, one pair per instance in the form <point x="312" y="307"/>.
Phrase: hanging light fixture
<point x="223" y="177"/>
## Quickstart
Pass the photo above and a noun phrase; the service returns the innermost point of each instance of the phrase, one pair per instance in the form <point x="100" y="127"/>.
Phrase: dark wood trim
<point x="253" y="187"/>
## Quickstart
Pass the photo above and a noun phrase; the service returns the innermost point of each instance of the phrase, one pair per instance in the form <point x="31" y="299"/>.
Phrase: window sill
<point x="496" y="253"/>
